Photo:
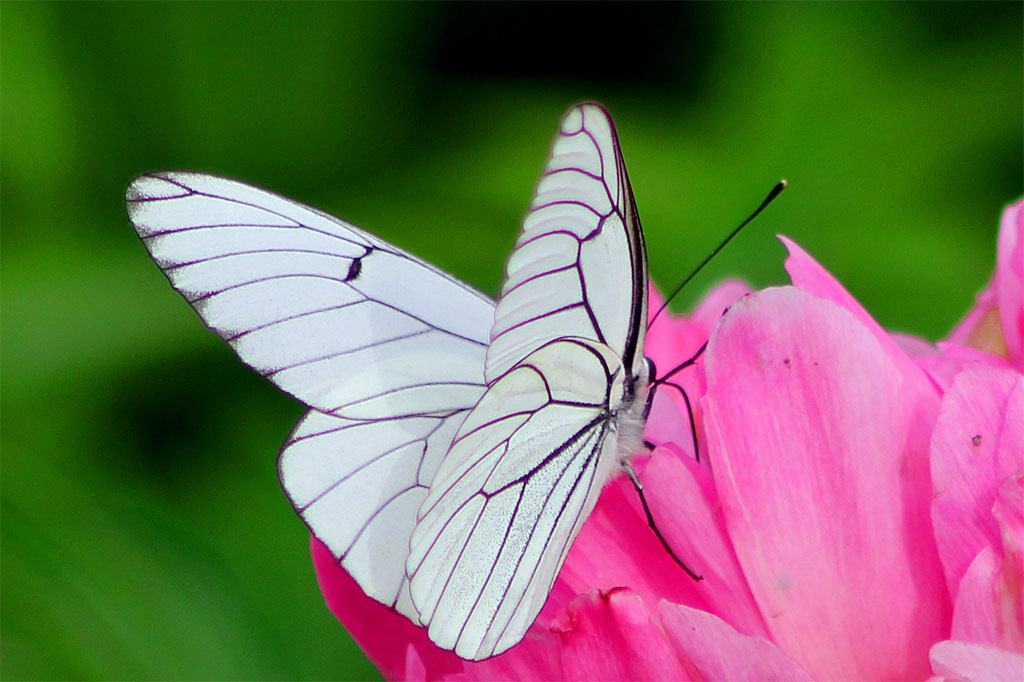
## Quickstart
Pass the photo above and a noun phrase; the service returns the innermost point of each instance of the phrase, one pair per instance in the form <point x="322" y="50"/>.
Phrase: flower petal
<point x="982" y="329"/>
<point x="808" y="275"/>
<point x="1009" y="281"/>
<point x="612" y="636"/>
<point x="537" y="657"/>
<point x="952" y="359"/>
<point x="668" y="422"/>
<point x="1009" y="588"/>
<point x="684" y="503"/>
<point x="962" y="661"/>
<point x="975" y="613"/>
<point x="415" y="671"/>
<point x="617" y="548"/>
<point x="699" y="323"/>
<point x="995" y="324"/>
<point x="917" y="387"/>
<point x="978" y="443"/>
<point x="671" y="341"/>
<point x="989" y="609"/>
<point x="384" y="635"/>
<point x="811" y="429"/>
<point x="719" y="652"/>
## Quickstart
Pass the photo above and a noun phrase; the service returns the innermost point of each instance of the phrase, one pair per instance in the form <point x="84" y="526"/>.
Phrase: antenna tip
<point x="776" y="190"/>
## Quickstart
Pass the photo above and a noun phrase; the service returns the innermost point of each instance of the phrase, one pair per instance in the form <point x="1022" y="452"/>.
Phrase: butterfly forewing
<point x="388" y="351"/>
<point x="329" y="313"/>
<point x="579" y="267"/>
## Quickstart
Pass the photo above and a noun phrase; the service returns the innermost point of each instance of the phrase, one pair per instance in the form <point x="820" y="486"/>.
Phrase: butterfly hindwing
<point x="511" y="494"/>
<point x="358" y="484"/>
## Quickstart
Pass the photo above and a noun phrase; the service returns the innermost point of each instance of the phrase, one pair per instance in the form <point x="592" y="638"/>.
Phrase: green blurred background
<point x="144" y="534"/>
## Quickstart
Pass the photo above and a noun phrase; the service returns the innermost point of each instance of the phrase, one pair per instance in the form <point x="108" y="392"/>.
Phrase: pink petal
<point x="671" y="341"/>
<point x="808" y="275"/>
<point x="713" y="306"/>
<point x="384" y="635"/>
<point x="1009" y="587"/>
<point x="996" y="322"/>
<point x="617" y="548"/>
<point x="918" y="387"/>
<point x="1009" y="281"/>
<point x="964" y="662"/>
<point x="685" y="506"/>
<point x="537" y="657"/>
<point x="415" y="671"/>
<point x="913" y="346"/>
<point x="975" y="612"/>
<point x="981" y="328"/>
<point x="704" y="317"/>
<point x="952" y="359"/>
<point x="719" y="652"/>
<point x="977" y="444"/>
<point x="989" y="608"/>
<point x="817" y="458"/>
<point x="669" y="423"/>
<point x="612" y="636"/>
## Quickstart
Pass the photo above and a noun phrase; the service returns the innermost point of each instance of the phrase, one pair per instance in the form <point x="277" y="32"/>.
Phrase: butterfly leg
<point x="689" y="414"/>
<point x="650" y="520"/>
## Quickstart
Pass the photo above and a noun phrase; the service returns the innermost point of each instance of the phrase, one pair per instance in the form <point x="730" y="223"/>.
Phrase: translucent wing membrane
<point x="329" y="313"/>
<point x="387" y="350"/>
<point x="522" y="475"/>
<point x="579" y="267"/>
<point x="359" y="483"/>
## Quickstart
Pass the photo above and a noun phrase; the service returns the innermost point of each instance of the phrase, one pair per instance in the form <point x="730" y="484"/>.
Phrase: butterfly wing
<point x="563" y="369"/>
<point x="579" y="267"/>
<point x="521" y="477"/>
<point x="358" y="484"/>
<point x="387" y="350"/>
<point x="332" y="315"/>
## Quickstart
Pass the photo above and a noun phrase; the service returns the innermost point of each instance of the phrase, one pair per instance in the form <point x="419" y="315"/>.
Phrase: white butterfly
<point x="453" y="449"/>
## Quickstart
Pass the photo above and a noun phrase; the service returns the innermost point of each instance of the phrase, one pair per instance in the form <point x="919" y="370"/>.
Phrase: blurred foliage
<point x="144" y="535"/>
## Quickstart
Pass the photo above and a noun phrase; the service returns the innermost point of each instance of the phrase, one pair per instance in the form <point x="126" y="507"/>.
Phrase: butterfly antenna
<point x="764" y="204"/>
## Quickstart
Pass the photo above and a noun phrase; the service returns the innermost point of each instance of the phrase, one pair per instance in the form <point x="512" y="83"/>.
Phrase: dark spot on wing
<point x="354" y="269"/>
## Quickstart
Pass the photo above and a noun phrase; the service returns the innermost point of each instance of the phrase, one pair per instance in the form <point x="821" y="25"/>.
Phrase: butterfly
<point x="453" y="446"/>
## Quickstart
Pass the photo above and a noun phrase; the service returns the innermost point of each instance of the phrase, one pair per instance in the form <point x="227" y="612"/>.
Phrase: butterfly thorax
<point x="629" y="418"/>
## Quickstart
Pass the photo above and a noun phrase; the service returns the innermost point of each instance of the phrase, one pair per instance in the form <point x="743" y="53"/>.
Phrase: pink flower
<point x="856" y="511"/>
<point x="996" y="323"/>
